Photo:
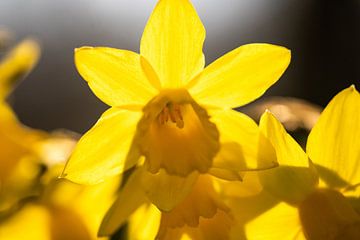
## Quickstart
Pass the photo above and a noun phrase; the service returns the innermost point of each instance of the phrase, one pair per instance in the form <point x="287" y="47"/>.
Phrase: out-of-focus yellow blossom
<point x="200" y="215"/>
<point x="313" y="195"/>
<point x="169" y="109"/>
<point x="64" y="211"/>
<point x="18" y="165"/>
<point x="60" y="209"/>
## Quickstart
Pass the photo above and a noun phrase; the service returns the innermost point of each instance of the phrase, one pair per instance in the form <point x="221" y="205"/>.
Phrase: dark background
<point x="324" y="37"/>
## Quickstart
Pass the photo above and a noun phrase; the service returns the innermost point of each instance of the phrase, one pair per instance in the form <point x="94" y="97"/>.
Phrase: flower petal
<point x="129" y="199"/>
<point x="102" y="151"/>
<point x="17" y="64"/>
<point x="255" y="210"/>
<point x="280" y="222"/>
<point x="296" y="177"/>
<point x="115" y="76"/>
<point x="334" y="141"/>
<point x="243" y="146"/>
<point x="144" y="223"/>
<point x="166" y="191"/>
<point x="172" y="42"/>
<point x="240" y="76"/>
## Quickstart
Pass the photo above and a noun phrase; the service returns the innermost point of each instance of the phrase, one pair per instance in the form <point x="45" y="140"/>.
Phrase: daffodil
<point x="58" y="209"/>
<point x="17" y="171"/>
<point x="200" y="215"/>
<point x="312" y="195"/>
<point x="168" y="108"/>
<point x="64" y="211"/>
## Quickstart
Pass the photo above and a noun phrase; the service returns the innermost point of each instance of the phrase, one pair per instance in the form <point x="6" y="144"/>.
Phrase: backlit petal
<point x="279" y="222"/>
<point x="129" y="199"/>
<point x="115" y="76"/>
<point x="243" y="146"/>
<point x="240" y="76"/>
<point x="166" y="191"/>
<point x="144" y="223"/>
<point x="172" y="42"/>
<point x="334" y="141"/>
<point x="295" y="177"/>
<point x="102" y="151"/>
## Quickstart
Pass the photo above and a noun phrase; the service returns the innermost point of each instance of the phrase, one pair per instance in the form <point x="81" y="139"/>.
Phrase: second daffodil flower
<point x="168" y="108"/>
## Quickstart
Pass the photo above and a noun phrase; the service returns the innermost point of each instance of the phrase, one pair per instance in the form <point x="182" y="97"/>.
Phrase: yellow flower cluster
<point x="193" y="166"/>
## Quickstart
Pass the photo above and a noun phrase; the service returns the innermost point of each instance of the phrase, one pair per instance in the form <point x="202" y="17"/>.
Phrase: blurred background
<point x="324" y="37"/>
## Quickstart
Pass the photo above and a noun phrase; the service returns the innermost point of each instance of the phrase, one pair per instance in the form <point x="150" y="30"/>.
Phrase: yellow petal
<point x="334" y="141"/>
<point x="243" y="146"/>
<point x="295" y="177"/>
<point x="129" y="199"/>
<point x="144" y="223"/>
<point x="166" y="191"/>
<point x="240" y="76"/>
<point x="17" y="64"/>
<point x="102" y="151"/>
<point x="279" y="222"/>
<point x="115" y="76"/>
<point x="172" y="42"/>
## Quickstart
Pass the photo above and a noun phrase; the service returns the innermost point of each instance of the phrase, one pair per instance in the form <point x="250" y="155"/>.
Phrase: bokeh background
<point x="324" y="37"/>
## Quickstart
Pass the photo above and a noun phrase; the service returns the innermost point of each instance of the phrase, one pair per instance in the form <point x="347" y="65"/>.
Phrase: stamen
<point x="173" y="112"/>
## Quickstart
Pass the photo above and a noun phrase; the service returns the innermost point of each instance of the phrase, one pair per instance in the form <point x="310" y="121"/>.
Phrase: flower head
<point x="168" y="108"/>
<point x="316" y="194"/>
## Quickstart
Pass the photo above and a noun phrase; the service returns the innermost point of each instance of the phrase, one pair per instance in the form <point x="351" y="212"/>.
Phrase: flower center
<point x="176" y="134"/>
<point x="171" y="111"/>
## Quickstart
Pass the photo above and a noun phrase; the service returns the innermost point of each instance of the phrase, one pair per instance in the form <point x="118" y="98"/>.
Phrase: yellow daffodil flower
<point x="307" y="199"/>
<point x="65" y="211"/>
<point x="59" y="209"/>
<point x="168" y="108"/>
<point x="201" y="214"/>
<point x="17" y="171"/>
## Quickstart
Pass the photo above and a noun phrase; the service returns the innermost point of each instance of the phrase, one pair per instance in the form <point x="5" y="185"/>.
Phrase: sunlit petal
<point x="279" y="222"/>
<point x="295" y="177"/>
<point x="103" y="150"/>
<point x="334" y="141"/>
<point x="172" y="42"/>
<point x="144" y="223"/>
<point x="115" y="76"/>
<point x="240" y="76"/>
